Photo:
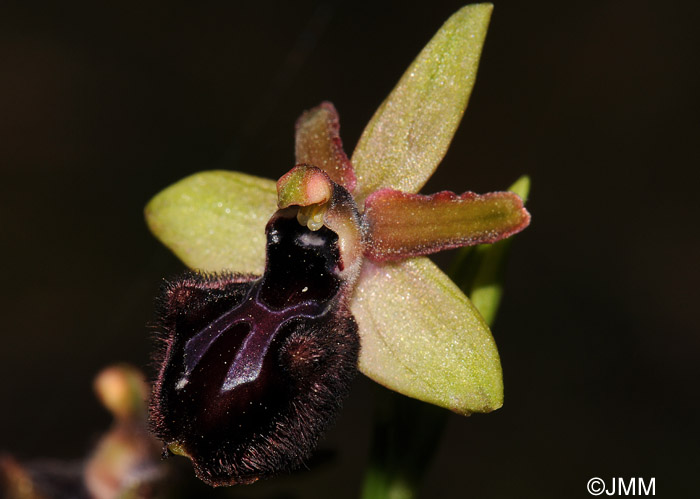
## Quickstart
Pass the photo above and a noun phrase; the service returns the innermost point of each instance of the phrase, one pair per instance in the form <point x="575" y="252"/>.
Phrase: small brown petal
<point x="318" y="143"/>
<point x="402" y="225"/>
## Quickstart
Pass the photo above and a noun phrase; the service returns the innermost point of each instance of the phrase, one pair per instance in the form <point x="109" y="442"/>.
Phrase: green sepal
<point x="422" y="337"/>
<point x="215" y="220"/>
<point x="410" y="132"/>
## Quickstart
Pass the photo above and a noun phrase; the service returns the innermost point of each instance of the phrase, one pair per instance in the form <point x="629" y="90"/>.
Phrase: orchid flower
<point x="125" y="461"/>
<point x="302" y="282"/>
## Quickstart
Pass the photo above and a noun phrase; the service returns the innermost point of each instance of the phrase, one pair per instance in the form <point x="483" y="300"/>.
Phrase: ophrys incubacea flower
<point x="302" y="282"/>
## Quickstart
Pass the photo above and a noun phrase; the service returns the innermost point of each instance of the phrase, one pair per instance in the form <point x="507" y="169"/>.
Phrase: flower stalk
<point x="407" y="432"/>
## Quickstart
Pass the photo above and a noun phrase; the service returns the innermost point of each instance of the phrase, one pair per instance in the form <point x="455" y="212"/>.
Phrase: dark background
<point x="103" y="106"/>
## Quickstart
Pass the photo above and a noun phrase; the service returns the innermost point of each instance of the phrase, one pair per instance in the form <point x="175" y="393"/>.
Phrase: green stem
<point x="407" y="432"/>
<point x="406" y="435"/>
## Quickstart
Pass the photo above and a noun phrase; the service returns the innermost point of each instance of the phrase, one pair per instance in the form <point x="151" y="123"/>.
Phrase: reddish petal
<point x="318" y="144"/>
<point x="402" y="225"/>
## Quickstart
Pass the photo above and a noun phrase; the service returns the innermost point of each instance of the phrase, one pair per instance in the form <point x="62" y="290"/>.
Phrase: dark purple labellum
<point x="254" y="369"/>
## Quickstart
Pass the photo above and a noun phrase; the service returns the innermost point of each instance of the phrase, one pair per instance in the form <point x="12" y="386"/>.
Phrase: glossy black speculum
<point x="254" y="368"/>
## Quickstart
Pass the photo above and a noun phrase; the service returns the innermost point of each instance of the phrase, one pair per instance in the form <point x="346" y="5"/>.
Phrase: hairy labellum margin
<point x="253" y="369"/>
